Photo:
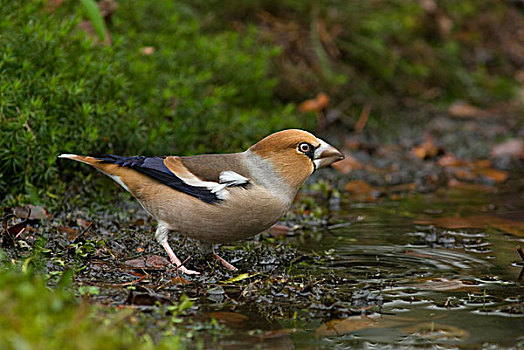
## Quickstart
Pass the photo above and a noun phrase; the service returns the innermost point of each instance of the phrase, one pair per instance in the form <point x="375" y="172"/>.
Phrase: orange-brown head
<point x="295" y="154"/>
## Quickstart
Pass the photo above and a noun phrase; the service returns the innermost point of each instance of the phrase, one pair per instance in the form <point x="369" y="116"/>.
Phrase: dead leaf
<point x="147" y="50"/>
<point x="156" y="261"/>
<point x="449" y="160"/>
<point x="229" y="318"/>
<point x="513" y="148"/>
<point x="180" y="280"/>
<point x="317" y="104"/>
<point x="464" y="174"/>
<point x="278" y="230"/>
<point x="358" y="187"/>
<point x="481" y="163"/>
<point x="409" y="187"/>
<point x="355" y="323"/>
<point x="466" y="186"/>
<point x="152" y="262"/>
<point x="427" y="149"/>
<point x="17" y="229"/>
<point x="139" y="263"/>
<point x="462" y="109"/>
<point x="347" y="165"/>
<point x="31" y="212"/>
<point x="70" y="232"/>
<point x="492" y="174"/>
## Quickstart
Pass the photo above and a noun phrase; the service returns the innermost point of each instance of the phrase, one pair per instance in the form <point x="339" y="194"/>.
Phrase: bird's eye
<point x="304" y="147"/>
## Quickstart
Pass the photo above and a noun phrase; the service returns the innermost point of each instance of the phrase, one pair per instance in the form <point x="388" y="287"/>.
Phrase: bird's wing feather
<point x="172" y="172"/>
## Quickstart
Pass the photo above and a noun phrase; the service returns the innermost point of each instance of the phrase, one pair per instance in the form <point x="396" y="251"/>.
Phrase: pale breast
<point x="246" y="213"/>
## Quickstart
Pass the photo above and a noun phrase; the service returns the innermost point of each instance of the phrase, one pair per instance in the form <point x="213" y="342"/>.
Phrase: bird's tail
<point x="83" y="159"/>
<point x="125" y="177"/>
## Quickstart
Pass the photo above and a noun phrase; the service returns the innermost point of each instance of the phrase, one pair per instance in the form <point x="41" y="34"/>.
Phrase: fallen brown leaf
<point x="70" y="232"/>
<point x="230" y="318"/>
<point x="17" y="229"/>
<point x="147" y="50"/>
<point x="317" y="104"/>
<point x="358" y="187"/>
<point x="347" y="165"/>
<point x="493" y="174"/>
<point x="31" y="212"/>
<point x="278" y="230"/>
<point x="152" y="262"/>
<point x="462" y="109"/>
<point x="156" y="261"/>
<point x="402" y="187"/>
<point x="513" y="148"/>
<point x="466" y="186"/>
<point x="449" y="160"/>
<point x="427" y="149"/>
<point x="463" y="174"/>
<point x="355" y="323"/>
<point x="180" y="280"/>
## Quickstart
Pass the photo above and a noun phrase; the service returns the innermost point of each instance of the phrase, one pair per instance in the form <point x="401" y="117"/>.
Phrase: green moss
<point x="32" y="316"/>
<point x="59" y="92"/>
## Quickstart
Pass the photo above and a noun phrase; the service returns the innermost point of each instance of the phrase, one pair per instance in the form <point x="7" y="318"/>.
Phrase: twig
<point x="130" y="283"/>
<point x="362" y="120"/>
<point x="81" y="235"/>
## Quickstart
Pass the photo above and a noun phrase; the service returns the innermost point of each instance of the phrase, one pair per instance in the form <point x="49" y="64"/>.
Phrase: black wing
<point x="154" y="167"/>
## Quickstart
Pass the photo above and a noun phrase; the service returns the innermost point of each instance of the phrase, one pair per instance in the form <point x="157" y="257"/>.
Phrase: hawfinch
<point x="219" y="198"/>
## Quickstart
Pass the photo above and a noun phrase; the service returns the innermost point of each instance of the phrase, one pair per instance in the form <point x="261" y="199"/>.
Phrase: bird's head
<point x="295" y="154"/>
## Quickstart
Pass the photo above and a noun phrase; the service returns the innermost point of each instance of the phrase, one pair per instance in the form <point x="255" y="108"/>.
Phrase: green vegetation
<point x="387" y="53"/>
<point x="34" y="317"/>
<point x="59" y="92"/>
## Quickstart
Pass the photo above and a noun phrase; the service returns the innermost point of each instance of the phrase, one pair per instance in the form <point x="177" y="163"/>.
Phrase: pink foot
<point x="176" y="261"/>
<point x="185" y="270"/>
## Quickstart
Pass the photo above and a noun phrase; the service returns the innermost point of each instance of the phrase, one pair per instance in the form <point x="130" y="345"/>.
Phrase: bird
<point x="219" y="198"/>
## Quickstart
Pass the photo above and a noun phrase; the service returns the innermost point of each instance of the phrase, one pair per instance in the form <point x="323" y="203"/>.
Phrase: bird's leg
<point x="161" y="237"/>
<point x="207" y="248"/>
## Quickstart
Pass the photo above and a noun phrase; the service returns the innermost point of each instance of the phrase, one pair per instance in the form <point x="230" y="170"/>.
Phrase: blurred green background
<point x="185" y="77"/>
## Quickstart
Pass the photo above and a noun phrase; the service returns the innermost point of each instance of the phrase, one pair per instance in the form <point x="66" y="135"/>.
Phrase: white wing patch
<point x="226" y="179"/>
<point x="230" y="178"/>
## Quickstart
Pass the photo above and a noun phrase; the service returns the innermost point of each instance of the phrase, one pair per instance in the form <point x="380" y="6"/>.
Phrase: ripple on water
<point x="399" y="261"/>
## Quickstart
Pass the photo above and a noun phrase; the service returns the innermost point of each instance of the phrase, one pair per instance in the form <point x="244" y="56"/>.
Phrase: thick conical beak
<point x="326" y="154"/>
